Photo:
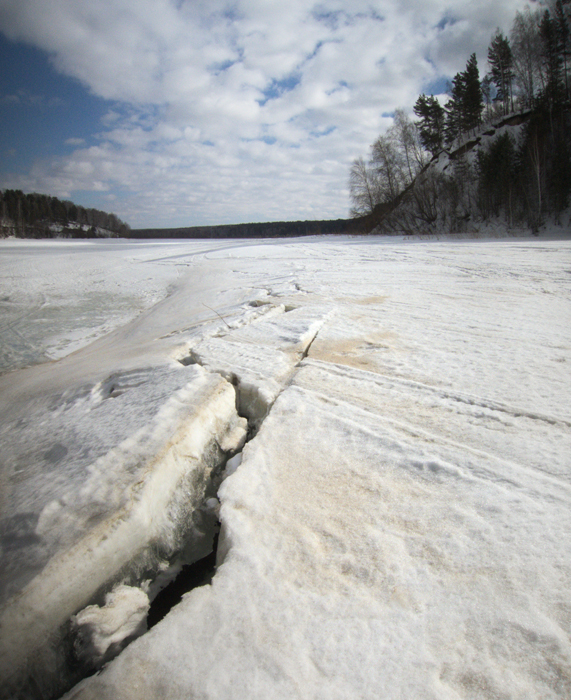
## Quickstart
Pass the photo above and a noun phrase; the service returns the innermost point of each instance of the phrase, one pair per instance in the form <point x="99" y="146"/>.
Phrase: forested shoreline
<point x="498" y="150"/>
<point x="41" y="216"/>
<point x="271" y="229"/>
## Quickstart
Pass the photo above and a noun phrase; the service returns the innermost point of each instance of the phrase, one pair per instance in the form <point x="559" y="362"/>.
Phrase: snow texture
<point x="102" y="631"/>
<point x="399" y="525"/>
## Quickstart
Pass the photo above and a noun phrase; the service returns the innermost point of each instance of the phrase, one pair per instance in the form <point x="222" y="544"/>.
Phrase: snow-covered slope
<point x="399" y="524"/>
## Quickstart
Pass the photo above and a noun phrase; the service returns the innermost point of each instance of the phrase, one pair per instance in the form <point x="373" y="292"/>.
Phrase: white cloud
<point x="244" y="110"/>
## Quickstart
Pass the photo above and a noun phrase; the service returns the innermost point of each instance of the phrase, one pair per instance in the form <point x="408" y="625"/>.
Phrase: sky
<point x="193" y="112"/>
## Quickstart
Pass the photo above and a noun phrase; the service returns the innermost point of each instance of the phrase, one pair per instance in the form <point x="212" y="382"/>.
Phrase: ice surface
<point x="368" y="559"/>
<point x="259" y="358"/>
<point x="399" y="526"/>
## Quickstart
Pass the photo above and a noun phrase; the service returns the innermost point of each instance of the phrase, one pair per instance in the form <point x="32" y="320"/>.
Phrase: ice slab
<point x="259" y="358"/>
<point x="103" y="485"/>
<point x="371" y="558"/>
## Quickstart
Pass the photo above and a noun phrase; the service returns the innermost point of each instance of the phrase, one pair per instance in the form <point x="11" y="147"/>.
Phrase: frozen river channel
<point x="373" y="434"/>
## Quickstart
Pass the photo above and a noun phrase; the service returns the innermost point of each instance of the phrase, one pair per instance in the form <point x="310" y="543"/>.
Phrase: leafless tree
<point x="404" y="133"/>
<point x="363" y="187"/>
<point x="526" y="49"/>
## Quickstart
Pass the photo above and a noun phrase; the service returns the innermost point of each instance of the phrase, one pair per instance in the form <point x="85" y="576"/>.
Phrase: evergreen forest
<point x="41" y="216"/>
<point x="498" y="148"/>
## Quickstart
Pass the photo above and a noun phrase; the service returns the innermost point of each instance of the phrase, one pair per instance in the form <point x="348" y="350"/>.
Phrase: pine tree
<point x="473" y="100"/>
<point x="431" y="124"/>
<point x="453" y="109"/>
<point x="563" y="32"/>
<point x="464" y="110"/>
<point x="500" y="60"/>
<point x="497" y="178"/>
<point x="552" y="60"/>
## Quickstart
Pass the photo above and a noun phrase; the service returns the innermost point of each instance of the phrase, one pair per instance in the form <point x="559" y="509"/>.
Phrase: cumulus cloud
<point x="244" y="110"/>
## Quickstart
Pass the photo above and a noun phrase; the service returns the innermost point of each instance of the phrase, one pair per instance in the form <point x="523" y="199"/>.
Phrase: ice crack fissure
<point x="191" y="576"/>
<point x="258" y="361"/>
<point x="202" y="572"/>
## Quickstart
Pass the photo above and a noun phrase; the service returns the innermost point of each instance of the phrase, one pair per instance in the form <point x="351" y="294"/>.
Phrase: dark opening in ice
<point x="200" y="573"/>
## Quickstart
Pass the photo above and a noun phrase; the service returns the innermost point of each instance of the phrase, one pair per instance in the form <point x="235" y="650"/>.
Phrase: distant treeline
<point x="278" y="229"/>
<point x="41" y="216"/>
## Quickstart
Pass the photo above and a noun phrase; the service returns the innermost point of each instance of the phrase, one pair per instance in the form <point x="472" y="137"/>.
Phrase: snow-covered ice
<point x="259" y="358"/>
<point x="399" y="525"/>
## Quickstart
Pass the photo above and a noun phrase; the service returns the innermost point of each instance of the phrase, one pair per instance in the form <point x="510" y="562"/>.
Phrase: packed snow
<point x="398" y="523"/>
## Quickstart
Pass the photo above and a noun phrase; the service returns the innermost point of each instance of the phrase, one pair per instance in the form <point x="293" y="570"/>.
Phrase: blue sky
<point x="41" y="109"/>
<point x="187" y="112"/>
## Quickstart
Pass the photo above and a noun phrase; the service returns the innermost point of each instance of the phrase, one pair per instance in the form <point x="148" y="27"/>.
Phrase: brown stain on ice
<point x="363" y="301"/>
<point x="370" y="300"/>
<point x="361" y="352"/>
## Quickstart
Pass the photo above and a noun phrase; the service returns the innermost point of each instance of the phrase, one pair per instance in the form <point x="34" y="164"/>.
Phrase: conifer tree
<point x="473" y="100"/>
<point x="431" y="123"/>
<point x="552" y="59"/>
<point x="464" y="110"/>
<point x="563" y="32"/>
<point x="453" y="109"/>
<point x="500" y="60"/>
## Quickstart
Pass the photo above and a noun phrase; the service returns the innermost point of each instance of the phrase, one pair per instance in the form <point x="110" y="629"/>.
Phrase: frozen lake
<point x="399" y="521"/>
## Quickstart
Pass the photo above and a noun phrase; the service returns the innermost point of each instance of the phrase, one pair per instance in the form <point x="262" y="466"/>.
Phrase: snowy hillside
<point x="471" y="144"/>
<point x="381" y="426"/>
<point x="510" y="174"/>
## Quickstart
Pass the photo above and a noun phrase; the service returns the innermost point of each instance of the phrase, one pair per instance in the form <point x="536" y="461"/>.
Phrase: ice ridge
<point x="132" y="518"/>
<point x="144" y="498"/>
